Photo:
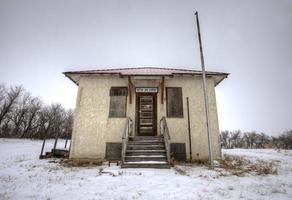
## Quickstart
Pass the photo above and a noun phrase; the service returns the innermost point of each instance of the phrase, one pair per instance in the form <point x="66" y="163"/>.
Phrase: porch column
<point x="130" y="86"/>
<point x="162" y="89"/>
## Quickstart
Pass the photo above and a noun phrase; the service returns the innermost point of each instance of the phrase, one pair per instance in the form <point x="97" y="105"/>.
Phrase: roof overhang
<point x="143" y="73"/>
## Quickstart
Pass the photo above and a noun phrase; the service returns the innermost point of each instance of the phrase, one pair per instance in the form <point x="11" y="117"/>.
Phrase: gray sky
<point x="251" y="39"/>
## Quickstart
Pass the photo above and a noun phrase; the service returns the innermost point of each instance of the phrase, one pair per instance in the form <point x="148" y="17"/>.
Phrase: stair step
<point x="146" y="145"/>
<point x="145" y="158"/>
<point x="140" y="147"/>
<point x="157" y="166"/>
<point x="148" y="156"/>
<point x="146" y="151"/>
<point x="145" y="142"/>
<point x="147" y="162"/>
<point x="145" y="154"/>
<point x="145" y="138"/>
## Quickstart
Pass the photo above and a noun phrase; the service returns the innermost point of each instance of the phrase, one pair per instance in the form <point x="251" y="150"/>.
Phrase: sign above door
<point x="146" y="90"/>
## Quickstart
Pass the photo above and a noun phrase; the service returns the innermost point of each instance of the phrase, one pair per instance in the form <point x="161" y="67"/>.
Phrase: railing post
<point x="166" y="137"/>
<point x="125" y="138"/>
<point x="168" y="153"/>
<point x="128" y="127"/>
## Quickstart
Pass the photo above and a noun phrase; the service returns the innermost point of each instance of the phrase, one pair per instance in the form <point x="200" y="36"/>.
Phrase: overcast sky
<point x="251" y="39"/>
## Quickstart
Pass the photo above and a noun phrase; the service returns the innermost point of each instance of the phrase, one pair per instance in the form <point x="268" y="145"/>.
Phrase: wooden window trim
<point x="110" y="95"/>
<point x="125" y="88"/>
<point x="166" y="104"/>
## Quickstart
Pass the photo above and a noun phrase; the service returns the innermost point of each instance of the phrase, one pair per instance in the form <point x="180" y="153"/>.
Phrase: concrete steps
<point x="145" y="147"/>
<point x="146" y="158"/>
<point x="145" y="152"/>
<point x="142" y="165"/>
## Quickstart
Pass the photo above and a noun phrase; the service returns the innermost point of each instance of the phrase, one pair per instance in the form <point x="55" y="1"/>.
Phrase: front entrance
<point x="146" y="114"/>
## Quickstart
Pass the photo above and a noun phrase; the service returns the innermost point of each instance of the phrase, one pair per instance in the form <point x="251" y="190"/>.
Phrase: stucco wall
<point x="93" y="128"/>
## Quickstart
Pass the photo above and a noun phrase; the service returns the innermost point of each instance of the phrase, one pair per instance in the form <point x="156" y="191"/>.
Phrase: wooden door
<point x="146" y="114"/>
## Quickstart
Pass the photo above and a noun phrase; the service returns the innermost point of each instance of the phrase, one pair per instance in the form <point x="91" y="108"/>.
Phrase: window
<point x="174" y="102"/>
<point x="118" y="101"/>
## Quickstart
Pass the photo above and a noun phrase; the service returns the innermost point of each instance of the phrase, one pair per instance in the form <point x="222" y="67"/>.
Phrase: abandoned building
<point x="144" y="117"/>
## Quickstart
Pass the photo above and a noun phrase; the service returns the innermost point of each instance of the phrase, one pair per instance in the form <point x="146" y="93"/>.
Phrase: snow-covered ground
<point x="24" y="176"/>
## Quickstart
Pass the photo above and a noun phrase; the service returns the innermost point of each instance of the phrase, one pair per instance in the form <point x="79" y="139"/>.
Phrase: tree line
<point x="254" y="140"/>
<point x="25" y="116"/>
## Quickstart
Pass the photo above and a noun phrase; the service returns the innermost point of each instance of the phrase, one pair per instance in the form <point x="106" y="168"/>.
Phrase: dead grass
<point x="79" y="163"/>
<point x="188" y="162"/>
<point x="240" y="166"/>
<point x="230" y="165"/>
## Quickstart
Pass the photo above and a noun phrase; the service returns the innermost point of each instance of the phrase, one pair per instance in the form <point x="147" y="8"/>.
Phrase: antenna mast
<point x="205" y="93"/>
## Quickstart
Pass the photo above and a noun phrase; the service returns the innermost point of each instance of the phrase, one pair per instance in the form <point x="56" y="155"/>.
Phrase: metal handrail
<point x="128" y="131"/>
<point x="164" y="131"/>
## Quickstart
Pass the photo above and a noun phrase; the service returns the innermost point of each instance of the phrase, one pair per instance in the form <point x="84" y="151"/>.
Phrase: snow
<point x="24" y="176"/>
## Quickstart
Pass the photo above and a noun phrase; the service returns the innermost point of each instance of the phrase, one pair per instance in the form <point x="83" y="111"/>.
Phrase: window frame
<point x="166" y="104"/>
<point x="110" y="115"/>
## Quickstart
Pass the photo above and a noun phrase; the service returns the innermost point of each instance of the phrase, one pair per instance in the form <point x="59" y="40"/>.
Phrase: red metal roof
<point x="142" y="71"/>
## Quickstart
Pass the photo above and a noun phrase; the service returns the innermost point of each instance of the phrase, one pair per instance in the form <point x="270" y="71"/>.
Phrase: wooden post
<point x="67" y="135"/>
<point x="205" y="93"/>
<point x="70" y="145"/>
<point x="43" y="146"/>
<point x="189" y="129"/>
<point x="162" y="90"/>
<point x="130" y="89"/>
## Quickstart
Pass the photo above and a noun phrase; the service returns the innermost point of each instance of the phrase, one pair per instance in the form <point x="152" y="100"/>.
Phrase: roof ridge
<point x="129" y="68"/>
<point x="147" y="71"/>
<point x="119" y="70"/>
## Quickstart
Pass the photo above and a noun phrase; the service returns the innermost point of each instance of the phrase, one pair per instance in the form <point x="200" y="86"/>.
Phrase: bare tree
<point x="51" y="120"/>
<point x="19" y="111"/>
<point x="44" y="122"/>
<point x="235" y="139"/>
<point x="285" y="140"/>
<point x="261" y="140"/>
<point x="252" y="140"/>
<point x="224" y="137"/>
<point x="8" y="100"/>
<point x="2" y="93"/>
<point x="68" y="124"/>
<point x="31" y="118"/>
<point x="25" y="116"/>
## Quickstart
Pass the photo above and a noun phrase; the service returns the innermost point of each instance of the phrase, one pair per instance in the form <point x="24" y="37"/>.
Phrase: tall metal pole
<point x="205" y="93"/>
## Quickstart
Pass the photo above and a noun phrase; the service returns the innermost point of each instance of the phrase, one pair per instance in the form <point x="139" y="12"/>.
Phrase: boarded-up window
<point x="118" y="101"/>
<point x="174" y="102"/>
